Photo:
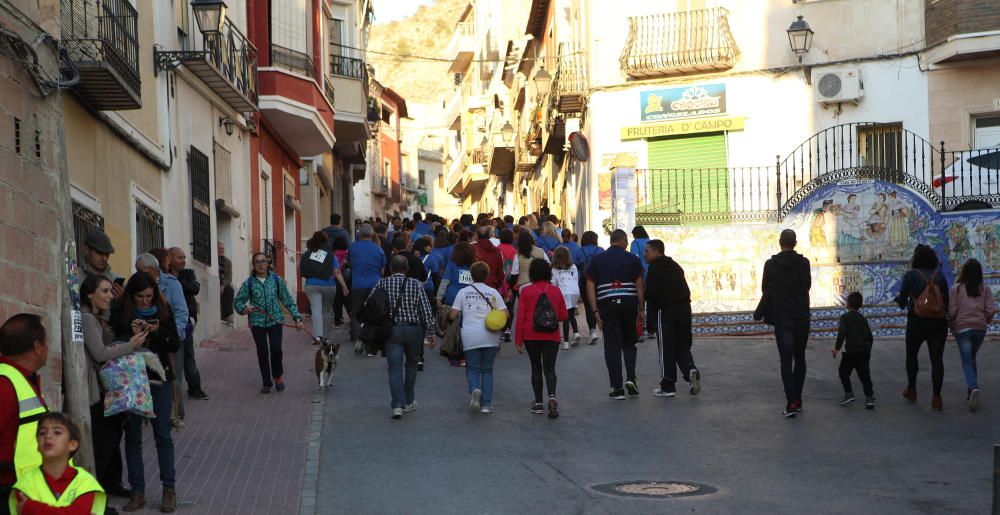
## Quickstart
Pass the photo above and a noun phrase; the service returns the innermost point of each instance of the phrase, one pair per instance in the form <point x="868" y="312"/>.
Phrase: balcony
<point x="679" y="43"/>
<point x="570" y="84"/>
<point x="227" y="63"/>
<point x="101" y="39"/>
<point x="349" y="77"/>
<point x="292" y="60"/>
<point x="961" y="30"/>
<point x="380" y="186"/>
<point x="297" y="102"/>
<point x="462" y="47"/>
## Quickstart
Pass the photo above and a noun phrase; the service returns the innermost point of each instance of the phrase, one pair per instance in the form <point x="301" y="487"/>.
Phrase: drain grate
<point x="654" y="489"/>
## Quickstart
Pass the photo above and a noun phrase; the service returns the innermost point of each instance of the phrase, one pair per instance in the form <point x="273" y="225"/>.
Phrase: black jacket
<point x="914" y="283"/>
<point x="191" y="287"/>
<point x="786" y="281"/>
<point x="163" y="342"/>
<point x="667" y="290"/>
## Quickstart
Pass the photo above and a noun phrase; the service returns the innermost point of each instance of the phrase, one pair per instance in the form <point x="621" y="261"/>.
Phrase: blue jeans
<point x="405" y="341"/>
<point x="791" y="336"/>
<point x="968" y="346"/>
<point x="162" y="405"/>
<point x="479" y="372"/>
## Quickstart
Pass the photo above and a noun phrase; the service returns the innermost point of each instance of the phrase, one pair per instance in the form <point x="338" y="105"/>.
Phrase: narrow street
<point x="900" y="458"/>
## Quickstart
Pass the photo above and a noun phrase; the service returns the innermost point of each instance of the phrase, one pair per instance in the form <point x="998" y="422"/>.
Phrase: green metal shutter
<point x="688" y="174"/>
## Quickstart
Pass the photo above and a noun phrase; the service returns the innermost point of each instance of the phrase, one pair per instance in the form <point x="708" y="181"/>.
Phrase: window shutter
<point x="689" y="174"/>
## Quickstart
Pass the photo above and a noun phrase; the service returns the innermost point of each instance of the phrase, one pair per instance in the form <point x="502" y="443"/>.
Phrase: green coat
<point x="269" y="296"/>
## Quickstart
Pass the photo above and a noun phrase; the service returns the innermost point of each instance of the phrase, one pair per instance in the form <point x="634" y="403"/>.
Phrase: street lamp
<point x="508" y="133"/>
<point x="228" y="124"/>
<point x="210" y="15"/>
<point x="800" y="37"/>
<point x="543" y="81"/>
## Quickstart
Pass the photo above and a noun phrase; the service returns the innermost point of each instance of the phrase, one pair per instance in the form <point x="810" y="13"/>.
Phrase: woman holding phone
<point x="143" y="310"/>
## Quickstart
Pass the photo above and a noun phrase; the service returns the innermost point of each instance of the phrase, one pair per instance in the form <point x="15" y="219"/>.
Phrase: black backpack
<point x="319" y="269"/>
<point x="377" y="317"/>
<point x="545" y="320"/>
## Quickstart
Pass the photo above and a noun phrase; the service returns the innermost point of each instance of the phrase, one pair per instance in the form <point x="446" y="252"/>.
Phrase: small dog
<point x="326" y="361"/>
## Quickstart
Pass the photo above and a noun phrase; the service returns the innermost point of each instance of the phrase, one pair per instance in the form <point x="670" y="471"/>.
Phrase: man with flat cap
<point x="97" y="249"/>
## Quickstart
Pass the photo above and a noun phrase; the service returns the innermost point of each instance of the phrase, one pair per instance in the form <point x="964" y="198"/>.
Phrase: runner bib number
<point x="464" y="277"/>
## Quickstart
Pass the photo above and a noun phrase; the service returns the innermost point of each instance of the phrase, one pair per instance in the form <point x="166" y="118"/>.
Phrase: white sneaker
<point x="474" y="402"/>
<point x="410" y="407"/>
<point x="660" y="392"/>
<point x="486" y="410"/>
<point x="397" y="412"/>
<point x="565" y="345"/>
<point x="576" y="338"/>
<point x="593" y="338"/>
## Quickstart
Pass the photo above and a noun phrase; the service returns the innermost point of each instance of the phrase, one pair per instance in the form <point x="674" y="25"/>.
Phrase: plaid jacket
<point x="415" y="308"/>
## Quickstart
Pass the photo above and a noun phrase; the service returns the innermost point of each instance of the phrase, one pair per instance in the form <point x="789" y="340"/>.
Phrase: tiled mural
<point x="858" y="235"/>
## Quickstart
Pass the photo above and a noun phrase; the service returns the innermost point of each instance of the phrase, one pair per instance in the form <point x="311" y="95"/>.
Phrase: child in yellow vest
<point x="57" y="486"/>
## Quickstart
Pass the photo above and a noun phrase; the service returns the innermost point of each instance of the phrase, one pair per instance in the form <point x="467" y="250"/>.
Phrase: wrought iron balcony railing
<point x="570" y="82"/>
<point x="292" y="60"/>
<point x="331" y="93"/>
<point x="347" y="67"/>
<point x="679" y="43"/>
<point x="101" y="37"/>
<point x="226" y="62"/>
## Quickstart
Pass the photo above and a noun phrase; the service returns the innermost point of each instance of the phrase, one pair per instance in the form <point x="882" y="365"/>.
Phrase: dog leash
<point x="272" y="319"/>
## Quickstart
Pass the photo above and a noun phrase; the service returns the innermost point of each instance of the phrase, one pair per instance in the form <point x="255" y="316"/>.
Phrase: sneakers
<point x="789" y="412"/>
<point x="593" y="339"/>
<point x="664" y="392"/>
<point x="420" y="366"/>
<point x="397" y="413"/>
<point x="974" y="399"/>
<point x="910" y="394"/>
<point x="565" y="345"/>
<point x="797" y="406"/>
<point x="198" y="394"/>
<point x="633" y="390"/>
<point x="695" y="376"/>
<point x="536" y="408"/>
<point x="869" y="402"/>
<point x="553" y="407"/>
<point x="474" y="401"/>
<point x="937" y="404"/>
<point x="359" y="348"/>
<point x="410" y="407"/>
<point x="461" y="362"/>
<point x="279" y="384"/>
<point x="317" y="340"/>
<point x="576" y="339"/>
<point x="848" y="398"/>
<point x="486" y="410"/>
<point x="506" y="336"/>
<point x="265" y="389"/>
<point x="617" y="394"/>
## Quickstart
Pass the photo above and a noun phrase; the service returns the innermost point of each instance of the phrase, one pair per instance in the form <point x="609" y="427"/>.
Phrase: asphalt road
<point x="443" y="459"/>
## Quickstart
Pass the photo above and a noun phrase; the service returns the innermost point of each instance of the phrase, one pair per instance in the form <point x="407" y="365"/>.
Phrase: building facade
<point x="380" y="194"/>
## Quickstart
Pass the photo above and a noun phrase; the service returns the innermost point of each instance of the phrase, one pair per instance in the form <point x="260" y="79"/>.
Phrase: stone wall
<point x="32" y="188"/>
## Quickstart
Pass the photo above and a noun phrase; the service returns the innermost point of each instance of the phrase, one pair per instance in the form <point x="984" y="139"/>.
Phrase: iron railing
<point x="349" y="67"/>
<point x="857" y="151"/>
<point x="235" y="57"/>
<point x="330" y="91"/>
<point x="85" y="221"/>
<point x="292" y="60"/>
<point x="572" y="74"/>
<point x="103" y="31"/>
<point x="148" y="228"/>
<point x="678" y="43"/>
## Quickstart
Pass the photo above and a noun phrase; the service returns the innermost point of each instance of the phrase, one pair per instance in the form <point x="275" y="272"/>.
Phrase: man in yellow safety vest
<point x="24" y="348"/>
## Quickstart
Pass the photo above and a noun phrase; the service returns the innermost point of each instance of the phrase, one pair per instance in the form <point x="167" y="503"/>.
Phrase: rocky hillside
<point x="426" y="34"/>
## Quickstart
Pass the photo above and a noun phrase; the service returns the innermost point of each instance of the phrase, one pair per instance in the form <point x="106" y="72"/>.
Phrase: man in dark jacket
<point x="189" y="283"/>
<point x="668" y="308"/>
<point x="785" y="283"/>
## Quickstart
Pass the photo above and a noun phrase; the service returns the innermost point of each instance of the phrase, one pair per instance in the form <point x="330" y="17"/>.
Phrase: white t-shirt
<point x="474" y="310"/>
<point x="568" y="282"/>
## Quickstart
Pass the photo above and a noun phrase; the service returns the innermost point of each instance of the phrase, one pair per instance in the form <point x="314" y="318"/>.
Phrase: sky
<point x="391" y="10"/>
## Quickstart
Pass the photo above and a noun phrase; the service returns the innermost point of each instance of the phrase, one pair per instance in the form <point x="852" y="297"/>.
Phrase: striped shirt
<point x="614" y="274"/>
<point x="414" y="308"/>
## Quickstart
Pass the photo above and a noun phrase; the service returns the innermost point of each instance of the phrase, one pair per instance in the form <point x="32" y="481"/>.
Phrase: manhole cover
<point x="654" y="489"/>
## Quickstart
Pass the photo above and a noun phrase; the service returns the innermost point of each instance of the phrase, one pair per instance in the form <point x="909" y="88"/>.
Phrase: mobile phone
<point x="120" y="281"/>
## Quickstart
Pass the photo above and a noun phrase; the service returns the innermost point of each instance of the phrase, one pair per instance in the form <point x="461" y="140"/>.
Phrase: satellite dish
<point x="579" y="148"/>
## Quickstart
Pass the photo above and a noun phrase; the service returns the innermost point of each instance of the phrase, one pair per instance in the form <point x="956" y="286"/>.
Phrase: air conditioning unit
<point x="836" y="86"/>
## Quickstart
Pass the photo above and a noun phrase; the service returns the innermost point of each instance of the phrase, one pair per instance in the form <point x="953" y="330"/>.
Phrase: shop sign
<point x="656" y="130"/>
<point x="669" y="104"/>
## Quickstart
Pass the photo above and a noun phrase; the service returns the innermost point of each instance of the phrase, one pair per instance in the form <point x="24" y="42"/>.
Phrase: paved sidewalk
<point x="241" y="452"/>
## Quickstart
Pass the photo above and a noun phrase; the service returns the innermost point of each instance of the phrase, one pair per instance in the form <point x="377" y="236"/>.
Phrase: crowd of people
<point x="404" y="285"/>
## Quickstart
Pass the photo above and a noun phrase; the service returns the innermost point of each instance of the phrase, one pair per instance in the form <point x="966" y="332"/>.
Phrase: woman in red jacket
<point x="542" y="346"/>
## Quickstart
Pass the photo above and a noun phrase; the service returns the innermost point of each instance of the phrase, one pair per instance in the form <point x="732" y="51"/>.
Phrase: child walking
<point x="56" y="483"/>
<point x="567" y="278"/>
<point x="857" y="334"/>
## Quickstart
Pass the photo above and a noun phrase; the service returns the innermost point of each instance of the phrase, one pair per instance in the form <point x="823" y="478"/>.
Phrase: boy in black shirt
<point x="854" y="329"/>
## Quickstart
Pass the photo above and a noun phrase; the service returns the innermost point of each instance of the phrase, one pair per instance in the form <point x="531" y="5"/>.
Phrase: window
<point x="386" y="114"/>
<point x="880" y="146"/>
<point x="201" y="217"/>
<point x="336" y="37"/>
<point x="290" y="24"/>
<point x="148" y="228"/>
<point x="987" y="132"/>
<point x="84" y="221"/>
<point x="441" y="181"/>
<point x="421" y="177"/>
<point x="223" y="174"/>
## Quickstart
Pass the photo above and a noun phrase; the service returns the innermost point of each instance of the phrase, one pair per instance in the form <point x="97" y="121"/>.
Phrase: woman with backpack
<point x="261" y="297"/>
<point x="588" y="249"/>
<point x="971" y="310"/>
<point x="567" y="278"/>
<point x="539" y="311"/>
<point x="321" y="270"/>
<point x="924" y="295"/>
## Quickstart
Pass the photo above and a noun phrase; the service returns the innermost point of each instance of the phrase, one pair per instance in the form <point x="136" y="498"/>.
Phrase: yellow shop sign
<point x="655" y="130"/>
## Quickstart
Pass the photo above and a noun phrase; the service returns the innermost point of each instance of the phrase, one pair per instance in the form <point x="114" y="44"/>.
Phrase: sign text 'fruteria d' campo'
<point x="655" y="130"/>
